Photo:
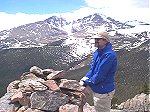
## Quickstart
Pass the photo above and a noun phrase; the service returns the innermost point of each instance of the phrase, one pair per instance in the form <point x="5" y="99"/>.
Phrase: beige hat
<point x="103" y="34"/>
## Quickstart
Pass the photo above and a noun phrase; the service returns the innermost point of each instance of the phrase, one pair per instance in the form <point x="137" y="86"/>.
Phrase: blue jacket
<point x="101" y="74"/>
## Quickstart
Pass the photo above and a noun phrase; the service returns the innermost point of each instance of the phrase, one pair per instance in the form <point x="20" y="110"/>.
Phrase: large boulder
<point x="48" y="100"/>
<point x="69" y="108"/>
<point x="20" y="97"/>
<point x="5" y="103"/>
<point x="52" y="85"/>
<point x="36" y="70"/>
<point x="71" y="84"/>
<point x="13" y="85"/>
<point x="30" y="82"/>
<point x="56" y="75"/>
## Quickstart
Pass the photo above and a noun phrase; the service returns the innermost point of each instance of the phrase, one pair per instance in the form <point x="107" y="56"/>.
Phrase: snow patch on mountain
<point x="80" y="47"/>
<point x="134" y="30"/>
<point x="68" y="29"/>
<point x="74" y="33"/>
<point x="136" y="22"/>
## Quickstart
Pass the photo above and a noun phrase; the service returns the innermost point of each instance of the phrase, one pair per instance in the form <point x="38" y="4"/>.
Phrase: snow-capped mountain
<point x="42" y="32"/>
<point x="124" y="35"/>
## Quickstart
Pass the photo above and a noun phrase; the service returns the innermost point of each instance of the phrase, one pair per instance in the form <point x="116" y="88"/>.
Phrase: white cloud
<point x="118" y="3"/>
<point x="8" y="21"/>
<point x="128" y="14"/>
<point x="104" y="3"/>
<point x="77" y="14"/>
<point x="122" y="10"/>
<point x="123" y="15"/>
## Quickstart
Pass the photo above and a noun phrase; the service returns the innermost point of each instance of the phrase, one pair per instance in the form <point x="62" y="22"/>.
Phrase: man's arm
<point x="89" y="74"/>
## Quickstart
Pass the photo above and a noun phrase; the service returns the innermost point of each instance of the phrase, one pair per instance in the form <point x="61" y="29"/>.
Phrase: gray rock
<point x="115" y="110"/>
<point x="5" y="103"/>
<point x="22" y="109"/>
<point x="36" y="70"/>
<point x="69" y="108"/>
<point x="33" y="110"/>
<point x="30" y="80"/>
<point x="56" y="75"/>
<point x="52" y="85"/>
<point x="88" y="108"/>
<point x="20" y="97"/>
<point x="38" y="86"/>
<point x="48" y="100"/>
<point x="13" y="85"/>
<point x="78" y="99"/>
<point x="140" y="103"/>
<point x="71" y="84"/>
<point x="28" y="75"/>
<point x="47" y="71"/>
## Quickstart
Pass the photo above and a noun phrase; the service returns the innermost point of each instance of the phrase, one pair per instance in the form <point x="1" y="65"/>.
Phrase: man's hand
<point x="81" y="83"/>
<point x="84" y="78"/>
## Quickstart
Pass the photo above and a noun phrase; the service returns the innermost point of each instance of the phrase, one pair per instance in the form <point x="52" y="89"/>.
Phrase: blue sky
<point x="14" y="13"/>
<point x="40" y="6"/>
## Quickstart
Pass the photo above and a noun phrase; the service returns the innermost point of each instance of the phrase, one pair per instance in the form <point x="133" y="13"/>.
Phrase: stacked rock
<point x="43" y="91"/>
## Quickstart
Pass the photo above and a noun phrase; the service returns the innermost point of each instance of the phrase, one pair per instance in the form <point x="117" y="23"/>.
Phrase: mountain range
<point x="58" y="43"/>
<point x="55" y="28"/>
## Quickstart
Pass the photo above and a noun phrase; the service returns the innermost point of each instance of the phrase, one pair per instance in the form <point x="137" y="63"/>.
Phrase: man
<point x="100" y="77"/>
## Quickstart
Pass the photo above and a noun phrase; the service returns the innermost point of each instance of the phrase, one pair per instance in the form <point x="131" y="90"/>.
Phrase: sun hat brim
<point x="98" y="37"/>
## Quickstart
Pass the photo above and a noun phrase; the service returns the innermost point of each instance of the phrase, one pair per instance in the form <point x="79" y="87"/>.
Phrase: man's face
<point x="100" y="43"/>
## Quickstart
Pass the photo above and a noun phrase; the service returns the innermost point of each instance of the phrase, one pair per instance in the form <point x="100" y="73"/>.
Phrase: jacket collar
<point x="107" y="47"/>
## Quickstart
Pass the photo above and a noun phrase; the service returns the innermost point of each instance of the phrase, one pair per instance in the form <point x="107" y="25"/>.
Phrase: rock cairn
<point x="47" y="91"/>
<point x="43" y="91"/>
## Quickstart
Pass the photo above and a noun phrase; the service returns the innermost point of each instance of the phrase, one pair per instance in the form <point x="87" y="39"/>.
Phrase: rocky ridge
<point x="140" y="103"/>
<point x="47" y="91"/>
